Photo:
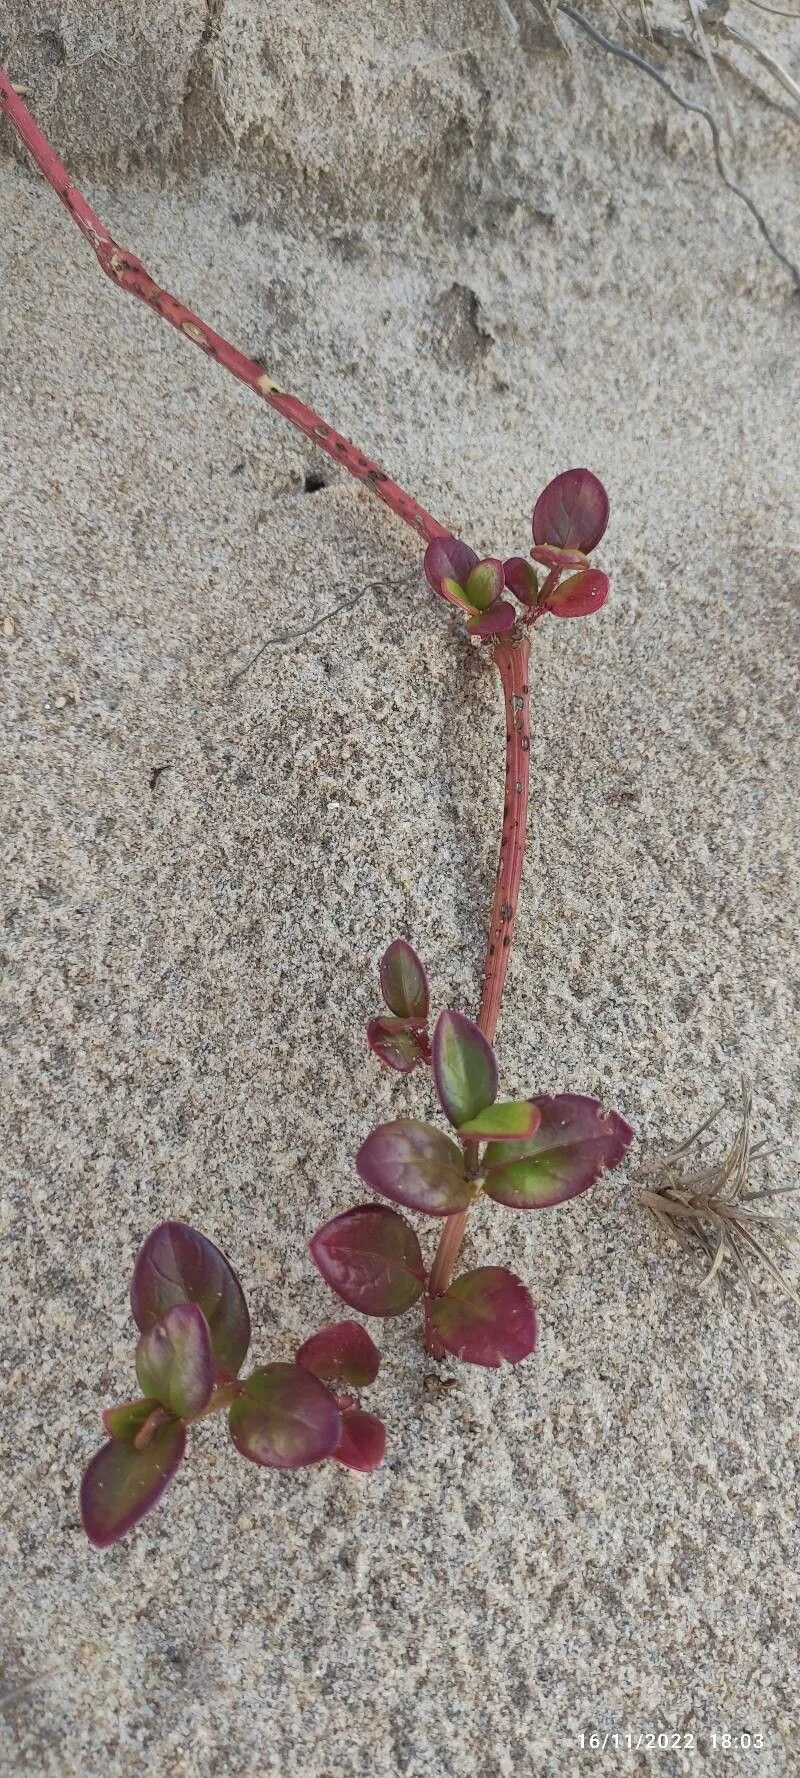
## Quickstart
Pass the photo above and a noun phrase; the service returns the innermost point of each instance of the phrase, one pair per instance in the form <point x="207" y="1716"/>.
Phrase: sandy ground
<point x="200" y="878"/>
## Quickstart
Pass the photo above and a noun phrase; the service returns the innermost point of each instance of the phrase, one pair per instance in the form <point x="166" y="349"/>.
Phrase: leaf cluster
<point x="526" y="1154"/>
<point x="569" y="519"/>
<point x="194" y="1329"/>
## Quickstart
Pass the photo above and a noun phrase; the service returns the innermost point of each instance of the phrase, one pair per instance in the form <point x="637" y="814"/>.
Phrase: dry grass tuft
<point x="712" y="1207"/>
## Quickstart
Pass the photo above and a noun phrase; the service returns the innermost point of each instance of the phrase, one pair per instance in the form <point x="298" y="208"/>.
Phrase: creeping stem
<point x="511" y="654"/>
<point x="126" y="271"/>
<point x="511" y="658"/>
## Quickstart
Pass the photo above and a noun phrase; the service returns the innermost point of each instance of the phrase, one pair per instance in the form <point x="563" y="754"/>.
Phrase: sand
<point x="200" y="877"/>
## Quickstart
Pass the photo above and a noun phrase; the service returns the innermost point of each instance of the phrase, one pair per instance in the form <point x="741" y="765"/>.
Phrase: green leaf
<point x="404" y="984"/>
<point x="464" y="1067"/>
<point x="484" y="584"/>
<point x="125" y="1421"/>
<point x="509" y="1120"/>
<point x="455" y="595"/>
<point x="175" y="1363"/>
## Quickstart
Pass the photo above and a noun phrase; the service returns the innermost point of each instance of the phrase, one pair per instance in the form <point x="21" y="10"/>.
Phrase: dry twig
<point x="771" y="63"/>
<point x="711" y="1206"/>
<point x="778" y="12"/>
<point x="637" y="61"/>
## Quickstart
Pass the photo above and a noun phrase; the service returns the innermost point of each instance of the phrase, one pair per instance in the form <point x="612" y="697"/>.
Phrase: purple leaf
<point x="580" y="595"/>
<point x="175" y="1363"/>
<point x="500" y="618"/>
<point x="464" y="1067"/>
<point x="363" y="1441"/>
<point x="125" y="1421"/>
<point x="121" y="1484"/>
<point x="484" y="583"/>
<point x="416" y="1165"/>
<point x="486" y="1317"/>
<point x="284" y="1418"/>
<point x="576" y="1141"/>
<point x="508" y="1120"/>
<point x="572" y="512"/>
<point x="447" y="558"/>
<point x="372" y="1259"/>
<point x="398" y="1043"/>
<point x="178" y="1265"/>
<point x="404" y="984"/>
<point x="343" y="1353"/>
<point x="521" y="580"/>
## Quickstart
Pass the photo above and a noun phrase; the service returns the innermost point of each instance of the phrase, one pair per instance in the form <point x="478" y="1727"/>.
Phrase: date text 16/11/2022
<point x="633" y="1741"/>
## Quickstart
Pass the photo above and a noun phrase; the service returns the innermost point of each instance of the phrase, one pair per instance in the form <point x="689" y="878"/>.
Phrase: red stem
<point x="126" y="271"/>
<point x="511" y="658"/>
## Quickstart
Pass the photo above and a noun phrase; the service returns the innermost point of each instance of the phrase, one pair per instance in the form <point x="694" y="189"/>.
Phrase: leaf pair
<point x="539" y="1152"/>
<point x="464" y="1066"/>
<point x="285" y="1416"/>
<point x="195" y="1333"/>
<point x="373" y="1260"/>
<point x="415" y="1164"/>
<point x="475" y="587"/>
<point x="402" y="1040"/>
<point x="569" y="519"/>
<point x="465" y="1075"/>
<point x="569" y="1141"/>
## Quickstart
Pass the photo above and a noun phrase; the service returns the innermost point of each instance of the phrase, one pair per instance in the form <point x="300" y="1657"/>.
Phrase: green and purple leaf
<point x="464" y="1067"/>
<point x="178" y="1265"/>
<point x="343" y="1353"/>
<point x="372" y="1259"/>
<point x="576" y="1141"/>
<point x="499" y="618"/>
<point x="522" y="580"/>
<point x="399" y="1043"/>
<point x="362" y="1445"/>
<point x="508" y="1120"/>
<point x="284" y="1418"/>
<point x="175" y="1363"/>
<point x="486" y="1317"/>
<point x="447" y="558"/>
<point x="572" y="512"/>
<point x="580" y="595"/>
<point x="122" y="1483"/>
<point x="416" y="1165"/>
<point x="126" y="1420"/>
<point x="404" y="984"/>
<point x="484" y="583"/>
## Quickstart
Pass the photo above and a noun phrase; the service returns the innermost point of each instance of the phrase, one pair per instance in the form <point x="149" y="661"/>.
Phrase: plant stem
<point x="126" y="271"/>
<point x="511" y="654"/>
<point x="511" y="658"/>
